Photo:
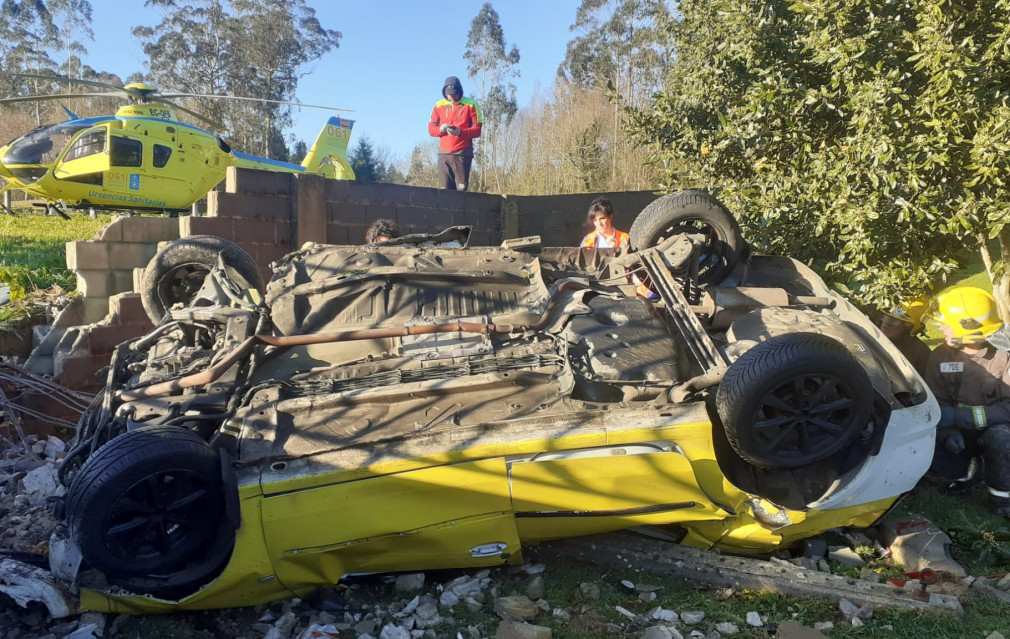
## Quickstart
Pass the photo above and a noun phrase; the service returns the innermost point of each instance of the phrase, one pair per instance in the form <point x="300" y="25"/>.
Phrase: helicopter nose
<point x="4" y="173"/>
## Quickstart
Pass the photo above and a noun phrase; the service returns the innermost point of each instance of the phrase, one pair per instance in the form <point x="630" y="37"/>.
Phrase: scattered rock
<point x="515" y="608"/>
<point x="658" y="632"/>
<point x="410" y="582"/>
<point x="516" y="630"/>
<point x="535" y="587"/>
<point x="847" y="556"/>
<point x="726" y="628"/>
<point x="589" y="591"/>
<point x="754" y="619"/>
<point x="659" y="614"/>
<point x="692" y="618"/>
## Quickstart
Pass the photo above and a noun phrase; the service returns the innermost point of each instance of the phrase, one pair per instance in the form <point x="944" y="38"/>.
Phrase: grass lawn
<point x="33" y="258"/>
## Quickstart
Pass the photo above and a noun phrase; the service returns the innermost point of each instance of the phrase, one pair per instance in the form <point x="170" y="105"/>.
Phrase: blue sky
<point x="392" y="59"/>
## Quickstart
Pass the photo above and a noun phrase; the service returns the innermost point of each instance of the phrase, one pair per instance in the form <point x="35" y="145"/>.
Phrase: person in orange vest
<point x="455" y="121"/>
<point x="601" y="216"/>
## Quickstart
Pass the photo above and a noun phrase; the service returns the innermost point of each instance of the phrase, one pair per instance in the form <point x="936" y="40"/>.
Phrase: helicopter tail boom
<point x="328" y="155"/>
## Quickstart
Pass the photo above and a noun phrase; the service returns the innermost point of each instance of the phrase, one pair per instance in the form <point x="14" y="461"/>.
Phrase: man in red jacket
<point x="455" y="121"/>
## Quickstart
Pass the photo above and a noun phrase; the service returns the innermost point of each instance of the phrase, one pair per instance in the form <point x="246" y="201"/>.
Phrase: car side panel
<point x="423" y="519"/>
<point x="612" y="489"/>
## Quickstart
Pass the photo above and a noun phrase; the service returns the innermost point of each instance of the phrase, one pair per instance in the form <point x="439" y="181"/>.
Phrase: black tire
<point x="176" y="273"/>
<point x="693" y="212"/>
<point x="793" y="401"/>
<point x="150" y="502"/>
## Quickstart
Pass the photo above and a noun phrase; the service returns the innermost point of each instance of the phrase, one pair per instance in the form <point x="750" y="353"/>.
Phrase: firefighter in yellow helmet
<point x="971" y="380"/>
<point x="902" y="325"/>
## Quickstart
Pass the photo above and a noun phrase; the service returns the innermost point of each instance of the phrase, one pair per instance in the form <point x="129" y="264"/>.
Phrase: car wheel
<point x="150" y="502"/>
<point x="693" y="212"/>
<point x="177" y="272"/>
<point x="793" y="401"/>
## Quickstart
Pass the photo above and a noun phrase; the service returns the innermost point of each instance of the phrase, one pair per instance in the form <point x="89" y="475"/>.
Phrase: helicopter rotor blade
<point x="63" y="78"/>
<point x="61" y="96"/>
<point x="211" y="123"/>
<point x="237" y="97"/>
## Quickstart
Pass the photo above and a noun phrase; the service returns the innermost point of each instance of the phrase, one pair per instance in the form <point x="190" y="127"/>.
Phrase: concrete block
<point x="79" y="371"/>
<point x="72" y="314"/>
<point x="412" y="216"/>
<point x="336" y="233"/>
<point x="121" y="281"/>
<point x="347" y="213"/>
<point x="394" y="194"/>
<point x="218" y="226"/>
<point x="336" y="190"/>
<point x="376" y="211"/>
<point x="356" y="234"/>
<point x="87" y="254"/>
<point x="363" y="192"/>
<point x="150" y="229"/>
<point x="423" y="197"/>
<point x="105" y="338"/>
<point x="129" y="308"/>
<point x="138" y="279"/>
<point x="113" y="231"/>
<point x="95" y="309"/>
<point x="129" y="255"/>
<point x="438" y="219"/>
<point x="449" y="199"/>
<point x="93" y="283"/>
<point x="256" y="231"/>
<point x="310" y="209"/>
<point x="258" y="182"/>
<point x="482" y="202"/>
<point x="284" y="232"/>
<point x="248" y="205"/>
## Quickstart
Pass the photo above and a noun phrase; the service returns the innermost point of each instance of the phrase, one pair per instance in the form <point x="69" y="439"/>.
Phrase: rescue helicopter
<point x="143" y="157"/>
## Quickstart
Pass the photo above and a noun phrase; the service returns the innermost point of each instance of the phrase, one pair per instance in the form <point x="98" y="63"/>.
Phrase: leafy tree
<point x="72" y="21"/>
<point x="372" y="164"/>
<point x="25" y="49"/>
<point x="867" y="137"/>
<point x="621" y="46"/>
<point x="237" y="47"/>
<point x="492" y="64"/>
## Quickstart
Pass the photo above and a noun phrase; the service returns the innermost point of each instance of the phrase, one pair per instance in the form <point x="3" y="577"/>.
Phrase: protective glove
<point x="443" y="129"/>
<point x="453" y="130"/>
<point x="954" y="443"/>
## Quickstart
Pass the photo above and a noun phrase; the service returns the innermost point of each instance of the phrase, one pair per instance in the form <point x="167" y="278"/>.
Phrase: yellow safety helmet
<point x="970" y="312"/>
<point x="911" y="312"/>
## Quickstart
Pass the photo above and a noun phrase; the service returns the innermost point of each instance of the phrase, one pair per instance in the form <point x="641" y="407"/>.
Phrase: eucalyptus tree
<point x="492" y="64"/>
<point x="241" y="48"/>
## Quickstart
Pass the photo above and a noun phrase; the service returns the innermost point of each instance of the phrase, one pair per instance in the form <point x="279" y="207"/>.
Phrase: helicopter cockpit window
<point x="43" y="145"/>
<point x="91" y="143"/>
<point x="124" y="152"/>
<point x="161" y="155"/>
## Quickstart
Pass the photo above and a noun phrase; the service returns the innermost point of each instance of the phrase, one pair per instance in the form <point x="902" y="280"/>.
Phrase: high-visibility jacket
<point x="594" y="240"/>
<point x="466" y="115"/>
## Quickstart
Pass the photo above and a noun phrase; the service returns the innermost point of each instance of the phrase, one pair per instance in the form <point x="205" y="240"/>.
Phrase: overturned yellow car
<point x="421" y="404"/>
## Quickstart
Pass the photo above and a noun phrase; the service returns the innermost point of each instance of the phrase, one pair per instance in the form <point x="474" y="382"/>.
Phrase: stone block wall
<point x="104" y="265"/>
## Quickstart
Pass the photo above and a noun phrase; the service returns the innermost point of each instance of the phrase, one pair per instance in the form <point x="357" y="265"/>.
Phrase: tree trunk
<point x="1001" y="285"/>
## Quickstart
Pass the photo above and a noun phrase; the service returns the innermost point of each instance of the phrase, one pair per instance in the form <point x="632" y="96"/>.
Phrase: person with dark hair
<point x="455" y="121"/>
<point x="381" y="230"/>
<point x="601" y="216"/>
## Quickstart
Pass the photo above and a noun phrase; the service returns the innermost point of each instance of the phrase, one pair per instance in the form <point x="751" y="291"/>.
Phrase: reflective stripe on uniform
<point x="979" y="413"/>
<point x="998" y="493"/>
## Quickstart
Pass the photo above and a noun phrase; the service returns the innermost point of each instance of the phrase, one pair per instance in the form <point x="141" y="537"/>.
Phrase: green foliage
<point x="865" y="137"/>
<point x="33" y="253"/>
<point x="989" y="544"/>
<point x="371" y="164"/>
<point x="619" y="44"/>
